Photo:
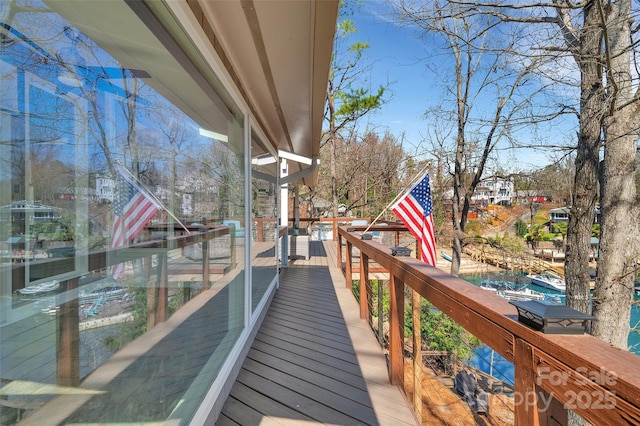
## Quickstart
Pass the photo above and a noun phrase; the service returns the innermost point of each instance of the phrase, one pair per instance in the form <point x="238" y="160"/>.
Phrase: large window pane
<point x="122" y="212"/>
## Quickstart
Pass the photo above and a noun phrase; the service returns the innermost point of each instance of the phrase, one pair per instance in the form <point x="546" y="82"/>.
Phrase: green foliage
<point x="513" y="244"/>
<point x="438" y="331"/>
<point x="473" y="227"/>
<point x="355" y="289"/>
<point x="347" y="70"/>
<point x="510" y="243"/>
<point x="345" y="27"/>
<point x="177" y="300"/>
<point x="541" y="217"/>
<point x="521" y="227"/>
<point x="561" y="228"/>
<point x="354" y="103"/>
<point x="595" y="230"/>
<point x="97" y="241"/>
<point x="131" y="330"/>
<point x="441" y="333"/>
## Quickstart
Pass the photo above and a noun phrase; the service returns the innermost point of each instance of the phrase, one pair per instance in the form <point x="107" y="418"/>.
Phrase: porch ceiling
<point x="279" y="53"/>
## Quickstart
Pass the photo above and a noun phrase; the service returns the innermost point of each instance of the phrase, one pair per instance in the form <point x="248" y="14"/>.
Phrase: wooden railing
<point x="554" y="373"/>
<point x="308" y="223"/>
<point x="67" y="356"/>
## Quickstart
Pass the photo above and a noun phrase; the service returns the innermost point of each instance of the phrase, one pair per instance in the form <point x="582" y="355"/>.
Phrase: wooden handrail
<point x="553" y="373"/>
<point x="99" y="259"/>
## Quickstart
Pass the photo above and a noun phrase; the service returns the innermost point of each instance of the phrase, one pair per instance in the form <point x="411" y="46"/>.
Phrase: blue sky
<point x="398" y="60"/>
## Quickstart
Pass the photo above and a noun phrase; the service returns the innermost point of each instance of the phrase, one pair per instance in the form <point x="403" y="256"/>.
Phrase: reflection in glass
<point x="264" y="224"/>
<point x="86" y="276"/>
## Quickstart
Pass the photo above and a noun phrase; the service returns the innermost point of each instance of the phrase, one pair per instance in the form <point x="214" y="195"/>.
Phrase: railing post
<point x="417" y="352"/>
<point x="152" y="293"/>
<point x="205" y="264"/>
<point x="163" y="289"/>
<point x="364" y="285"/>
<point x="533" y="406"/>
<point x="232" y="247"/>
<point x="348" y="269"/>
<point x="259" y="231"/>
<point x="284" y="251"/>
<point x="339" y="256"/>
<point x="68" y="371"/>
<point x="380" y="313"/>
<point x="396" y="330"/>
<point x="526" y="412"/>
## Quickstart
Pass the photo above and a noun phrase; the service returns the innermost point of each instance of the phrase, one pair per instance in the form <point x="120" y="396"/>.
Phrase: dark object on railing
<point x="400" y="251"/>
<point x="366" y="236"/>
<point x="351" y="229"/>
<point x="551" y="318"/>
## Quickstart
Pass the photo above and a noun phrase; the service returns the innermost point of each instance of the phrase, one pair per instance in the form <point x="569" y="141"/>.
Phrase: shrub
<point x="521" y="227"/>
<point x="473" y="227"/>
<point x="513" y="244"/>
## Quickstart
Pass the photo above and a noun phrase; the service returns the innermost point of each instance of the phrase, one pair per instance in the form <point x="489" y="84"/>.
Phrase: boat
<point x="445" y="256"/>
<point x="510" y="291"/>
<point x="102" y="295"/>
<point x="549" y="281"/>
<point x="42" y="288"/>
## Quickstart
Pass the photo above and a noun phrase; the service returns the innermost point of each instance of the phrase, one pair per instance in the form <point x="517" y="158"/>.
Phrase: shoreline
<point x="468" y="266"/>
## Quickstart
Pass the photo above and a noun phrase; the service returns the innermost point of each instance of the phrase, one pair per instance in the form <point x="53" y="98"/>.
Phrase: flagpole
<point x="411" y="183"/>
<point x="155" y="199"/>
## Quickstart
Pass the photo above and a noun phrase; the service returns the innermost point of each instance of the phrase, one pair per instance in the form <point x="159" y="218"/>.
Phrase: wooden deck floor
<point x="313" y="359"/>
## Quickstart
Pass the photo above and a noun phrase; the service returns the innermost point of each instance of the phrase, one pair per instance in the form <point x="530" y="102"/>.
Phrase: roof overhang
<point x="279" y="53"/>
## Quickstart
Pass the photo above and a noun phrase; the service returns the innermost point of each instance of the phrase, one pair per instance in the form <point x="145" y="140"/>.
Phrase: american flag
<point x="133" y="209"/>
<point x="415" y="210"/>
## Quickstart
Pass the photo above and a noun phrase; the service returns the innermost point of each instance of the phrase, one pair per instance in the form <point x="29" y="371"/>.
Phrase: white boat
<point x="102" y="295"/>
<point x="42" y="288"/>
<point x="551" y="282"/>
<point x="509" y="291"/>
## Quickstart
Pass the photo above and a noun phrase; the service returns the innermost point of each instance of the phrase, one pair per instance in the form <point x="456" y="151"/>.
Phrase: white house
<point x="105" y="189"/>
<point x="494" y="190"/>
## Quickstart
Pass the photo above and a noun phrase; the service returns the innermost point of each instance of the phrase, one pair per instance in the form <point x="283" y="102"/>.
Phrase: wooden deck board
<point x="321" y="359"/>
<point x="344" y="385"/>
<point x="250" y="397"/>
<point x="344" y="371"/>
<point x="308" y="364"/>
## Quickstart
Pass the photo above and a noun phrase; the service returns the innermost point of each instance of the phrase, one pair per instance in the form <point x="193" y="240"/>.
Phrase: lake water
<point x="491" y="362"/>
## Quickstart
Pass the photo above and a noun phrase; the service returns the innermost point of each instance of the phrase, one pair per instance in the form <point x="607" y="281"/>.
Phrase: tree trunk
<point x="333" y="171"/>
<point x="618" y="243"/>
<point x="587" y="163"/>
<point x="613" y="293"/>
<point x="456" y="250"/>
<point x="333" y="135"/>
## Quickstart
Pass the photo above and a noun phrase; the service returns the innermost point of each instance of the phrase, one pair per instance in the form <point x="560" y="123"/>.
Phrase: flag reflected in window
<point x="133" y="209"/>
